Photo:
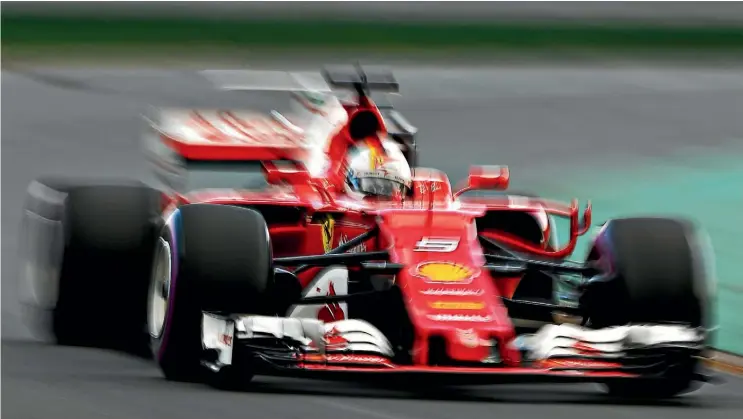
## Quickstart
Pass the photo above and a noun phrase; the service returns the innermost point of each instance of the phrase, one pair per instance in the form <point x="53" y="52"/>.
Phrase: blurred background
<point x="637" y="106"/>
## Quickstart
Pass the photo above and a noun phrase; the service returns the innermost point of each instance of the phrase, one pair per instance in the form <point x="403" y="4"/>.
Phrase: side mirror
<point x="489" y="177"/>
<point x="486" y="178"/>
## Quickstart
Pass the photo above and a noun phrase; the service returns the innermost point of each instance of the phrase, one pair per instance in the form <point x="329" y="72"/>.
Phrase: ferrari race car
<point x="224" y="279"/>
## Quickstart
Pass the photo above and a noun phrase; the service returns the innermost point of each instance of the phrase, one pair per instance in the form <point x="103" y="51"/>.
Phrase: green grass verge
<point x="29" y="32"/>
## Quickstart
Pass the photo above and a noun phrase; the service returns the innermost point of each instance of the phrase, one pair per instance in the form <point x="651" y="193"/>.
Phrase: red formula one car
<point x="285" y="273"/>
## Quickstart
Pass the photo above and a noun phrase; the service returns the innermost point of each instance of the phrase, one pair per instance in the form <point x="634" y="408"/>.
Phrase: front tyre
<point x="213" y="258"/>
<point x="655" y="273"/>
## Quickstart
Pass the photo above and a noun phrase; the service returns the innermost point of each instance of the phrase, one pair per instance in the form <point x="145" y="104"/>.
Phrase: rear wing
<point x="361" y="80"/>
<point x="175" y="138"/>
<point x="378" y="83"/>
<point x="328" y="80"/>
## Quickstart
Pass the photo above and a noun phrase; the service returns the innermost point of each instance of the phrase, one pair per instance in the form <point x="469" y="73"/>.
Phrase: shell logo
<point x="445" y="272"/>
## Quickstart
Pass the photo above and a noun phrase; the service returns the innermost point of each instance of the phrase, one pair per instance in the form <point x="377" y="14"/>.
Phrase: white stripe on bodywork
<point x="320" y="287"/>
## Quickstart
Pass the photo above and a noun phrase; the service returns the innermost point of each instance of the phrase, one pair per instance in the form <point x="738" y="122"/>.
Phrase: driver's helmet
<point x="373" y="173"/>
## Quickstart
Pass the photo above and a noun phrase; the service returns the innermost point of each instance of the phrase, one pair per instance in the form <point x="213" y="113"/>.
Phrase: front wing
<point x="356" y="350"/>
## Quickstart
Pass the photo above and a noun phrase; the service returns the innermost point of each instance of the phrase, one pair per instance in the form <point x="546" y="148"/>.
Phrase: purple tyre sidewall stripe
<point x="605" y="250"/>
<point x="173" y="227"/>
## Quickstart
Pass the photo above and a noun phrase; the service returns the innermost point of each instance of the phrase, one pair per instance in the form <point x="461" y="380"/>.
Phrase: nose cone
<point x="450" y="298"/>
<point x="457" y="309"/>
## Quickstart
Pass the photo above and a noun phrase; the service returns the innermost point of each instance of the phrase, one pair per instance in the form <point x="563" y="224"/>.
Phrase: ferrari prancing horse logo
<point x="328" y="226"/>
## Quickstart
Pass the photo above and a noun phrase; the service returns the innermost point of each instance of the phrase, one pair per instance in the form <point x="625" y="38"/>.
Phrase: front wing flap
<point x="352" y="349"/>
<point x="635" y="349"/>
<point x="294" y="342"/>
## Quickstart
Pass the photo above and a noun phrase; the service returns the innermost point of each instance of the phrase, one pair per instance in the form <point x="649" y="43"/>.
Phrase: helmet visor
<point x="380" y="186"/>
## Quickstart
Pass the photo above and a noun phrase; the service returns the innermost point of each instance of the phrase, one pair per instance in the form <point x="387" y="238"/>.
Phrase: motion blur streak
<point x="540" y="121"/>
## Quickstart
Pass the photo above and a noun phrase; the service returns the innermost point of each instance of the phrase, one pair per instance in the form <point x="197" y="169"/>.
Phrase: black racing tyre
<point x="214" y="258"/>
<point x="86" y="253"/>
<point x="656" y="273"/>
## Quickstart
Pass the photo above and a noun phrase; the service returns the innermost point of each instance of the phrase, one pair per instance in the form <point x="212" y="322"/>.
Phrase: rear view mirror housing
<point x="486" y="178"/>
<point x="489" y="177"/>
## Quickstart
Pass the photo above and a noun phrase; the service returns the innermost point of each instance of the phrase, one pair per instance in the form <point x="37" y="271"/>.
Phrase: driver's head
<point x="379" y="173"/>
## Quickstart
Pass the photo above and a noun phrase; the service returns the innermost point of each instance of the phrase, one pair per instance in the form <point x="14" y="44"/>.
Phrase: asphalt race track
<point x="86" y="122"/>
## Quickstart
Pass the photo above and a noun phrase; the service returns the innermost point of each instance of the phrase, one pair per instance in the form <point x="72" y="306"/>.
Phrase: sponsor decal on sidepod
<point x="360" y="248"/>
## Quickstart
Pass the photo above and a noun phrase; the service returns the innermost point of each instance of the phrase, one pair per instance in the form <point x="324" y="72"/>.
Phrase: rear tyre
<point x="656" y="273"/>
<point x="214" y="258"/>
<point x="86" y="252"/>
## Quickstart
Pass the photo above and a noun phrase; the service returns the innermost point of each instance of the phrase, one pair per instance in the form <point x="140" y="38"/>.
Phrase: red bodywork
<point x="435" y="210"/>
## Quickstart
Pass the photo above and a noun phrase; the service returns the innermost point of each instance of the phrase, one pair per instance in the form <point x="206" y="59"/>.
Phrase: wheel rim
<point x="159" y="289"/>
